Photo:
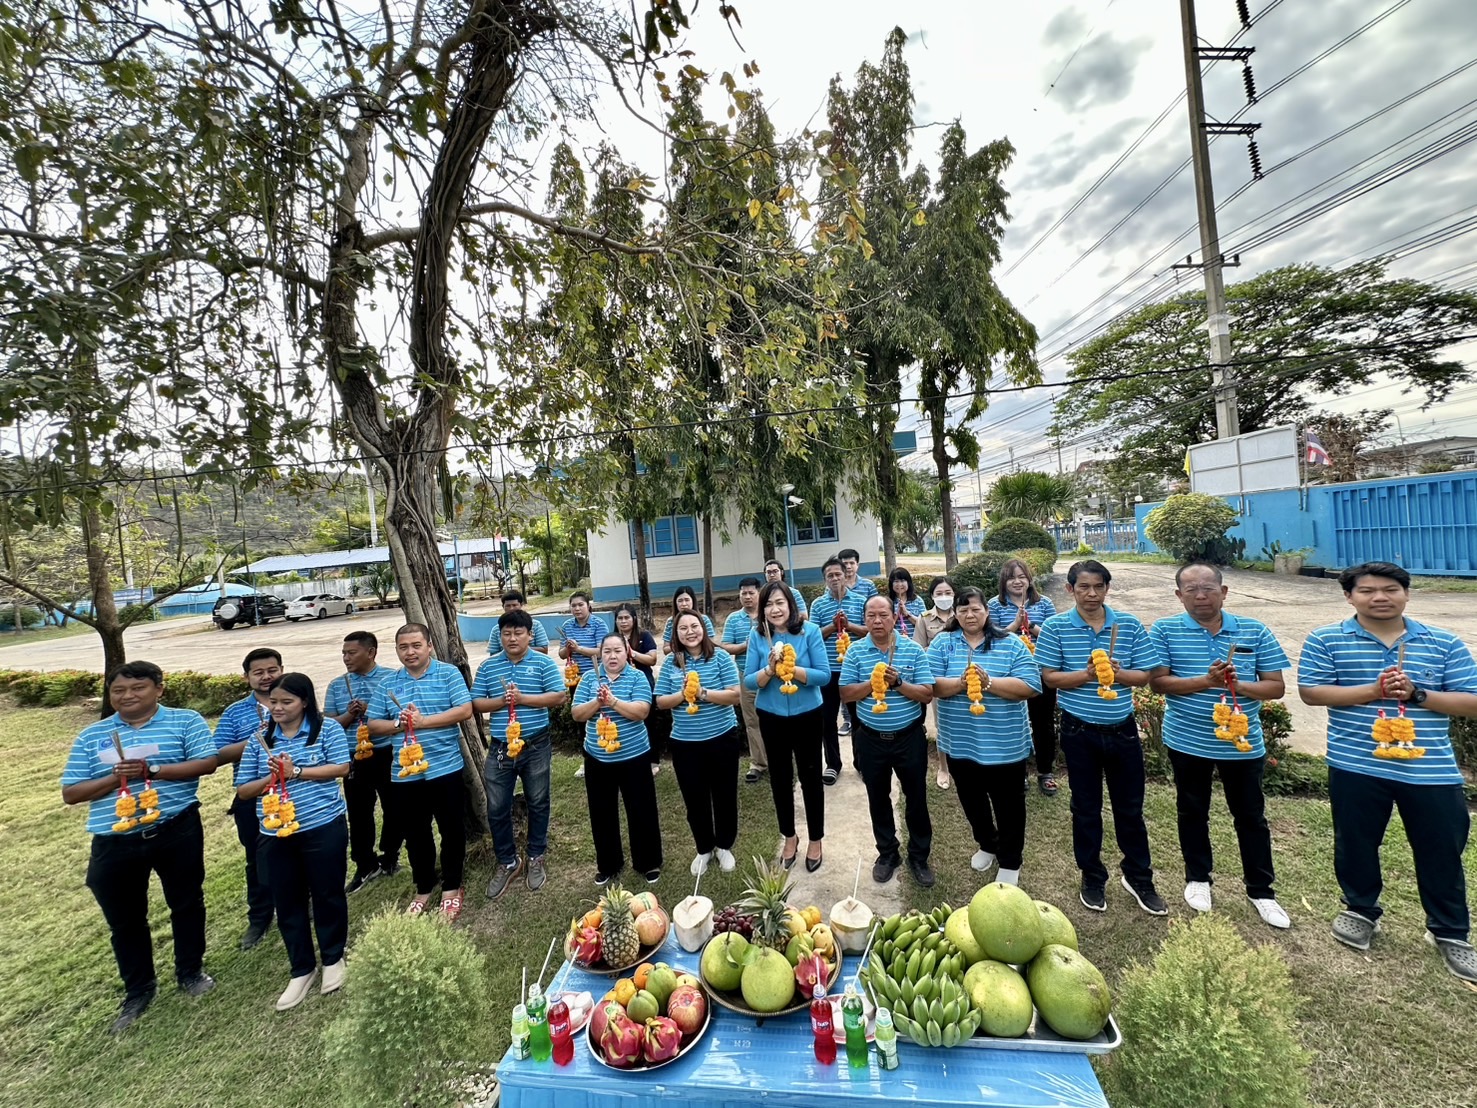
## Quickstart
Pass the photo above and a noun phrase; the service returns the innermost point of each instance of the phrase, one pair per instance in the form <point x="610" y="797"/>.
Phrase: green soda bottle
<point x="539" y="1043"/>
<point x="854" y="1020"/>
<point x="886" y="1038"/>
<point x="520" y="1033"/>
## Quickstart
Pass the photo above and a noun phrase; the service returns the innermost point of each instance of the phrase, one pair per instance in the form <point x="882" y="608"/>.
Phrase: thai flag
<point x="1317" y="455"/>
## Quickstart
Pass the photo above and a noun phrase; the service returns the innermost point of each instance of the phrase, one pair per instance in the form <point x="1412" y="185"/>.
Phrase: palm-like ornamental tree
<point x="1040" y="497"/>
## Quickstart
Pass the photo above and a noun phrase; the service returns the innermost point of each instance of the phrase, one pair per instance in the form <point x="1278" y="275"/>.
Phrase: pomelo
<point x="1069" y="991"/>
<point x="1056" y="928"/>
<point x="768" y="981"/>
<point x="1005" y="923"/>
<point x="723" y="960"/>
<point x="1000" y="996"/>
<point x="956" y="930"/>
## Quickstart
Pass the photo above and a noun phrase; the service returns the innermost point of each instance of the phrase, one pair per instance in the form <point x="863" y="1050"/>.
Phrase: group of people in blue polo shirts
<point x="389" y="739"/>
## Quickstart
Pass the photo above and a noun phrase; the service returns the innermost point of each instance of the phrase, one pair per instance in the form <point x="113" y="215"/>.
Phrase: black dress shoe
<point x="255" y="933"/>
<point x="813" y="864"/>
<point x="921" y="873"/>
<point x="883" y="870"/>
<point x="197" y="984"/>
<point x="133" y="1008"/>
<point x="789" y="862"/>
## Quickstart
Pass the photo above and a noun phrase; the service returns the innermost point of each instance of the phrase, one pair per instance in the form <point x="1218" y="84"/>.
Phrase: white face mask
<point x="943" y="603"/>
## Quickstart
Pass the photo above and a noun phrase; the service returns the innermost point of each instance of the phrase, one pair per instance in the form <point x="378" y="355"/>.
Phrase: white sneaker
<point x="296" y="991"/>
<point x="1271" y="912"/>
<point x="726" y="860"/>
<point x="982" y="860"/>
<point x="580" y="772"/>
<point x="1009" y="877"/>
<point x="333" y="977"/>
<point x="699" y="865"/>
<point x="656" y="768"/>
<point x="1197" y="895"/>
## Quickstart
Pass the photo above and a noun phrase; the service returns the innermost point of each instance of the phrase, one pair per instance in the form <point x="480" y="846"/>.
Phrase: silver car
<point x="319" y="605"/>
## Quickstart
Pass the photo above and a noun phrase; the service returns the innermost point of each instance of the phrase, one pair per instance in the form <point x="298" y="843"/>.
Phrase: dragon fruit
<point x="587" y="946"/>
<point x="811" y="970"/>
<point x="663" y="1039"/>
<point x="620" y="1042"/>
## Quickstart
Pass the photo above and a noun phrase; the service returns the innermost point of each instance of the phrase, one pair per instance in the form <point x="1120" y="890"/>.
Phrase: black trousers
<point x="249" y="834"/>
<point x="1241" y="779"/>
<point x="442" y="799"/>
<point x="367" y="781"/>
<point x="608" y="785"/>
<point x="1436" y="825"/>
<point x="995" y="806"/>
<point x="1041" y="711"/>
<point x="830" y="737"/>
<point x="707" y="774"/>
<point x="658" y="731"/>
<point x="118" y="875"/>
<point x="796" y="738"/>
<point x="1097" y="753"/>
<point x="308" y="868"/>
<point x="881" y="754"/>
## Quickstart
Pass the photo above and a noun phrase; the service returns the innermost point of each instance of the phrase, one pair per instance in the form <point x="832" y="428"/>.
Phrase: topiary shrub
<point x="1148" y="712"/>
<point x="1209" y="1025"/>
<point x="1192" y="527"/>
<point x="1018" y="534"/>
<point x="983" y="570"/>
<point x="415" y="1013"/>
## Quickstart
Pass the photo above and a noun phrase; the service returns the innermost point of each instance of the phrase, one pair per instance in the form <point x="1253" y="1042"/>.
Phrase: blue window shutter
<point x="662" y="537"/>
<point x="686" y="534"/>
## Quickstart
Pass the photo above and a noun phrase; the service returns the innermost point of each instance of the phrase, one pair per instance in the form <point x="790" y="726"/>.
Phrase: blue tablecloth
<point x="737" y="1063"/>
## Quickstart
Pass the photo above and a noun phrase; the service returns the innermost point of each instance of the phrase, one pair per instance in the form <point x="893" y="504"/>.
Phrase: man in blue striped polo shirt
<point x="851" y="561"/>
<point x="834" y="611"/>
<point x="736" y="631"/>
<point x="1372" y="666"/>
<point x="773" y="571"/>
<point x="1100" y="738"/>
<point x="513" y="601"/>
<point x="1204" y="653"/>
<point x="170" y="749"/>
<point x="891" y="740"/>
<point x="581" y="634"/>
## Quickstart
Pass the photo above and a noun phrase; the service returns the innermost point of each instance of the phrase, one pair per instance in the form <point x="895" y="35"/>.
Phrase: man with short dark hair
<point x="582" y="633"/>
<point x="773" y="571"/>
<point x="851" y="561"/>
<point x="1391" y="686"/>
<point x="514" y="601"/>
<point x="163" y="752"/>
<point x="1099" y="736"/>
<point x="243" y="722"/>
<point x="346" y="702"/>
<point x="736" y="631"/>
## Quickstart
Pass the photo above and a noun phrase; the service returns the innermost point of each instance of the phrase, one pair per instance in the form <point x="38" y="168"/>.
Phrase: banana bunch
<point x="917" y="973"/>
<point x="974" y="689"/>
<point x="1231" y="725"/>
<point x="785" y="669"/>
<point x="690" y="689"/>
<point x="879" y="687"/>
<point x="1103" y="668"/>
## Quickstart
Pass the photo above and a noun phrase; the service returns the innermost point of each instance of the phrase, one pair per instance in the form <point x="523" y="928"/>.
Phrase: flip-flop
<point x="451" y="907"/>
<point x="418" y="907"/>
<point x="943" y="780"/>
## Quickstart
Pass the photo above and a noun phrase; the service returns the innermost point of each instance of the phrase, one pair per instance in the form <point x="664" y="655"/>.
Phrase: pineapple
<point x="766" y="900"/>
<point x="618" y="928"/>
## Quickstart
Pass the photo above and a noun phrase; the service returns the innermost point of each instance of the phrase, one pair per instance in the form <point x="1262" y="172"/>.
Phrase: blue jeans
<point x="500" y="775"/>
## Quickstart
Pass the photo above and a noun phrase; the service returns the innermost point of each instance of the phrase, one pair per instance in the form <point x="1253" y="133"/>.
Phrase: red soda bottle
<point x="559" y="1033"/>
<point x="820" y="1023"/>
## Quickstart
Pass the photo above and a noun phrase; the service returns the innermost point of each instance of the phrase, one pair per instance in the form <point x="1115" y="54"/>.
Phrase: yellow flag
<point x="1187" y="463"/>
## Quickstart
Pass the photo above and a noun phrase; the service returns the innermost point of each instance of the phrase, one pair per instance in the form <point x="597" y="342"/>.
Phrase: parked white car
<point x="319" y="606"/>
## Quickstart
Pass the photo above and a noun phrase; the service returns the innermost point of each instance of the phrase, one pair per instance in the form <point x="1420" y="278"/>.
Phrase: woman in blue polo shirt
<point x="644" y="656"/>
<point x="907" y="605"/>
<point x="705" y="743"/>
<point x="1019" y="608"/>
<point x="617" y="692"/>
<point x="988" y="751"/>
<point x="308" y="865"/>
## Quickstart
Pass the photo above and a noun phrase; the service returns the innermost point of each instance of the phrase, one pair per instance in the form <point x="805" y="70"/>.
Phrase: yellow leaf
<point x="867" y="250"/>
<point x="919" y="218"/>
<point x="755" y="207"/>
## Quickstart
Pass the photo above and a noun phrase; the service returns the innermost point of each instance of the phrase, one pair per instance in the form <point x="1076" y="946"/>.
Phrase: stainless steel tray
<point x="1040" y="1038"/>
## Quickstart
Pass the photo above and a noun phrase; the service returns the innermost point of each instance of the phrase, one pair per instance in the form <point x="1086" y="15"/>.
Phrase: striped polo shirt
<point x="314" y="803"/>
<point x="630" y="684"/>
<point x="737" y="628"/>
<point x="241" y="722"/>
<point x="1002" y="735"/>
<point x="824" y="610"/>
<point x="590" y="635"/>
<point x="909" y="659"/>
<point x="1187" y="649"/>
<point x="181" y="736"/>
<point x="863" y="587"/>
<point x="355" y="686"/>
<point x="799" y="601"/>
<point x="1067" y="642"/>
<point x="1435" y="660"/>
<point x="710" y="720"/>
<point x="495" y="640"/>
<point x="707" y="626"/>
<point x="536" y="673"/>
<point x="810" y="655"/>
<point x="907" y="619"/>
<point x="440" y="689"/>
<point x="1003" y="612"/>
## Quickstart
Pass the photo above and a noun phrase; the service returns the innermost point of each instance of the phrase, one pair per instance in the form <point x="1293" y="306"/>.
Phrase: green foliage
<point x="1018" y="534"/>
<point x="918" y="507"/>
<point x="1192" y="527"/>
<point x="415" y="1010"/>
<point x="1084" y="550"/>
<point x="1464" y="742"/>
<point x="206" y="693"/>
<point x="1148" y="713"/>
<point x="130" y="614"/>
<point x="983" y="570"/>
<point x="30" y="617"/>
<point x="1210" y="1024"/>
<point x="1033" y="495"/>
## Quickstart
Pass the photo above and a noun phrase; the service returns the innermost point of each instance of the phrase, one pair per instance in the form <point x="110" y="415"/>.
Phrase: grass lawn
<point x="1389" y="1029"/>
<point x="44" y="634"/>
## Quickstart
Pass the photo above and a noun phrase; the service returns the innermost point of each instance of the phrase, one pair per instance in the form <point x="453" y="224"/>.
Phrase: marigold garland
<point x="879" y="688"/>
<point x="690" y="688"/>
<point x="1102" y="667"/>
<point x="412" y="754"/>
<point x="974" y="688"/>
<point x="571" y="674"/>
<point x="124" y="808"/>
<point x="363" y="747"/>
<point x="1395" y="737"/>
<point x="843" y="644"/>
<point x="785" y="670"/>
<point x="608" y="734"/>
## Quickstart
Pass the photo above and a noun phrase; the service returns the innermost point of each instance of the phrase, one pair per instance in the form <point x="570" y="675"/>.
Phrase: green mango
<point x="801" y="946"/>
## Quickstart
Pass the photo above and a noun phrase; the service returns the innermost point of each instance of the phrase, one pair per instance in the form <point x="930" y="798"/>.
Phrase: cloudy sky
<point x="1075" y="85"/>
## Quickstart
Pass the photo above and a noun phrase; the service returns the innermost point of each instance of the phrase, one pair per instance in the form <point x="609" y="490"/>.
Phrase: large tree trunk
<point x="946" y="492"/>
<point x="708" y="563"/>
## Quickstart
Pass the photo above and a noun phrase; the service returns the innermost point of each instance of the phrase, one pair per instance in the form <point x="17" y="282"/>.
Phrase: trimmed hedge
<point x="1018" y="534"/>
<point x="207" y="693"/>
<point x="983" y="570"/>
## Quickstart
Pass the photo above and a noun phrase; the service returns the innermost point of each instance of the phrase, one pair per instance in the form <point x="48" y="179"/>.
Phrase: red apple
<point x="687" y="1008"/>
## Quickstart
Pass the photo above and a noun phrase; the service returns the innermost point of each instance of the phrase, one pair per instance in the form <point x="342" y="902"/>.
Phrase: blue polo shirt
<point x="1066" y="643"/>
<point x="180" y="734"/>
<point x="1002" y="735"/>
<point x="737" y="628"/>
<point x="707" y="626"/>
<point x="909" y="659"/>
<point x="357" y="686"/>
<point x="799" y="601"/>
<point x="241" y="722"/>
<point x="824" y="610"/>
<point x="1003" y="612"/>
<point x="710" y="720"/>
<point x="1436" y="660"/>
<point x="440" y="689"/>
<point x="314" y="803"/>
<point x="630" y="684"/>
<point x="863" y="587"/>
<point x="590" y="635"/>
<point x="810" y="655"/>
<point x="495" y="640"/>
<point x="536" y="673"/>
<point x="1187" y="649"/>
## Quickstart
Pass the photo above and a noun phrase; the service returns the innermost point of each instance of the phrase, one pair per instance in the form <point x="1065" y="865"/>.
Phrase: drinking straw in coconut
<point x="547" y="956"/>
<point x="858" y="882"/>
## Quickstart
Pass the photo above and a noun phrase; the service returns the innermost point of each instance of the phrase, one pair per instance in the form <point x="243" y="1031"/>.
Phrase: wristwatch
<point x="154" y="766"/>
<point x="297" y="771"/>
<point x="1417" y="696"/>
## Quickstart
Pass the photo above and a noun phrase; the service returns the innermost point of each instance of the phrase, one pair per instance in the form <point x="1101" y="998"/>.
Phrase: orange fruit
<point x="643" y="971"/>
<point x="591" y="918"/>
<point x="625" y="989"/>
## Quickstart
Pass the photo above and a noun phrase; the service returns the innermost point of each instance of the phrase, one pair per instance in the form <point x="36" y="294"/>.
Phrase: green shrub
<point x="879" y="583"/>
<point x="1464" y="742"/>
<point x="1018" y="534"/>
<point x="1148" y="712"/>
<point x="1192" y="527"/>
<point x="1209" y="1025"/>
<point x="130" y="614"/>
<point x="810" y="592"/>
<point x="415" y="1012"/>
<point x="30" y="617"/>
<point x="207" y="693"/>
<point x="1084" y="551"/>
<point x="983" y="570"/>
